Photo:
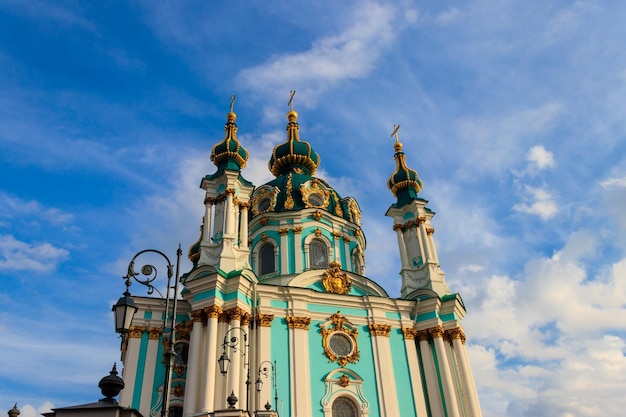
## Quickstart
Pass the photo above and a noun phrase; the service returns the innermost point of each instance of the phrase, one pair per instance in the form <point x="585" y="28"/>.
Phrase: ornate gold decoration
<point x="317" y="215"/>
<point x="312" y="187"/>
<point x="154" y="333"/>
<point x="318" y="232"/>
<point x="430" y="230"/>
<point x="213" y="312"/>
<point x="182" y="331"/>
<point x="423" y="335"/>
<point x="244" y="206"/>
<point x="264" y="237"/>
<point x="283" y="232"/>
<point x="297" y="229"/>
<point x="178" y="391"/>
<point x="245" y="319"/>
<point x="336" y="234"/>
<point x="409" y="333"/>
<point x="456" y="333"/>
<point x="335" y="281"/>
<point x="264" y="320"/>
<point x="380" y="329"/>
<point x="400" y="227"/>
<point x="421" y="220"/>
<point x="354" y="211"/>
<point x="135" y="332"/>
<point x="338" y="210"/>
<point x="436" y="332"/>
<point x="358" y="232"/>
<point x="338" y="323"/>
<point x="223" y="318"/>
<point x="179" y="369"/>
<point x="346" y="239"/>
<point x="235" y="313"/>
<point x="289" y="204"/>
<point x="344" y="381"/>
<point x="260" y="195"/>
<point x="265" y="220"/>
<point x="294" y="322"/>
<point x="230" y="191"/>
<point x="195" y="316"/>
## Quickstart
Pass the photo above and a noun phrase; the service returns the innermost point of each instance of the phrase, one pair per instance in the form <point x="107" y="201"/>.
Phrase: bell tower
<point x="223" y="240"/>
<point x="420" y="265"/>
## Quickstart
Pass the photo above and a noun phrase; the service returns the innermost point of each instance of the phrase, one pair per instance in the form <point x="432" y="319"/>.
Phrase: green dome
<point x="229" y="153"/>
<point x="293" y="155"/>
<point x="404" y="182"/>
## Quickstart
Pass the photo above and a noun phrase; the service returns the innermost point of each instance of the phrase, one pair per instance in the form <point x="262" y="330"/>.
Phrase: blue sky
<point x="512" y="112"/>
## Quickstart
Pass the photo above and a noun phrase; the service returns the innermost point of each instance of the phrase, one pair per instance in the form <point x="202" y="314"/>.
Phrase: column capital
<point x="297" y="229"/>
<point x="294" y="322"/>
<point x="213" y="312"/>
<point x="283" y="231"/>
<point x="230" y="191"/>
<point x="423" y="335"/>
<point x="409" y="333"/>
<point x="436" y="332"/>
<point x="421" y="220"/>
<point x="245" y="319"/>
<point x="380" y="329"/>
<point x="154" y="333"/>
<point x="264" y="320"/>
<point x="135" y="332"/>
<point x="430" y="231"/>
<point x="196" y="315"/>
<point x="182" y="330"/>
<point x="235" y="313"/>
<point x="456" y="333"/>
<point x="244" y="205"/>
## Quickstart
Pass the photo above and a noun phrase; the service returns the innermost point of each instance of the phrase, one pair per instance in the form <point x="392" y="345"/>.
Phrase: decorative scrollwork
<point x="149" y="271"/>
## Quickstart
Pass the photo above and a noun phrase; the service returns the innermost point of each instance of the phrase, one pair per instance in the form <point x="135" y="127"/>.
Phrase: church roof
<point x="404" y="182"/>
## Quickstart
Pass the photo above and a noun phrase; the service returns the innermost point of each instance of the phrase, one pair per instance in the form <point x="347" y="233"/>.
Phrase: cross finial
<point x="395" y="131"/>
<point x="291" y="94"/>
<point x="232" y="103"/>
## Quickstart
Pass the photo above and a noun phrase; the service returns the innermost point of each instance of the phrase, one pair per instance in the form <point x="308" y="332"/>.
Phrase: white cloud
<point x="16" y="255"/>
<point x="12" y="207"/>
<point x="330" y="60"/>
<point x="29" y="411"/>
<point x="540" y="158"/>
<point x="540" y="203"/>
<point x="448" y="16"/>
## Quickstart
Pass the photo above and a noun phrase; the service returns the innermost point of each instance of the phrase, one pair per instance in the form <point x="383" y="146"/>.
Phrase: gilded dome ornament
<point x="335" y="281"/>
<point x="404" y="182"/>
<point x="229" y="153"/>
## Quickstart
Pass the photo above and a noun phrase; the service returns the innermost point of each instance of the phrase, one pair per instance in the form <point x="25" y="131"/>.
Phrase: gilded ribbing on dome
<point x="294" y="154"/>
<point x="404" y="178"/>
<point x="229" y="149"/>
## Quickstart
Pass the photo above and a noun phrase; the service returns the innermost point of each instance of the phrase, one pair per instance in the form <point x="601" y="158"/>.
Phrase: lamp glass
<point x="124" y="311"/>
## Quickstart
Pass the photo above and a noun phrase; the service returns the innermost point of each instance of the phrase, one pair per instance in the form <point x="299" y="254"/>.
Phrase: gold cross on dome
<point x="232" y="103"/>
<point x="291" y="94"/>
<point x="395" y="131"/>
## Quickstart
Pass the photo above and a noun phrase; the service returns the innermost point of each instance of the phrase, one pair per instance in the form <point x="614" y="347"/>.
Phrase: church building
<point x="277" y="318"/>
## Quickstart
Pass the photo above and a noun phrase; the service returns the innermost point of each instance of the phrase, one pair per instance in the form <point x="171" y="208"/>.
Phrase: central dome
<point x="293" y="155"/>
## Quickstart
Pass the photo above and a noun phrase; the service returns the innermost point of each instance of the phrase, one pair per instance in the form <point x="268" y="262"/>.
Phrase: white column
<point x="243" y="227"/>
<point x="131" y="360"/>
<point x="264" y="354"/>
<point x="299" y="366"/>
<point x="336" y="250"/>
<point x="220" y="382"/>
<point x="401" y="245"/>
<point x="430" y="232"/>
<point x="207" y="399"/>
<point x="349" y="266"/>
<point x="420" y="243"/>
<point x="154" y="336"/>
<point x="192" y="383"/>
<point x="425" y="241"/>
<point x="284" y="249"/>
<point x="229" y="213"/>
<point x="414" y="371"/>
<point x="434" y="397"/>
<point x="297" y="243"/>
<point x="447" y="383"/>
<point x="206" y="232"/>
<point x="235" y="356"/>
<point x="465" y="371"/>
<point x="386" y="382"/>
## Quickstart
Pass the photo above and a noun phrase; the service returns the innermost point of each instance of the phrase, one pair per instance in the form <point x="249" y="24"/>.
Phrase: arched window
<point x="267" y="262"/>
<point x="344" y="407"/>
<point x="318" y="255"/>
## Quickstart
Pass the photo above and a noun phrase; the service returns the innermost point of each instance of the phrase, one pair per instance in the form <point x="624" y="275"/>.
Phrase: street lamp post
<point x="125" y="309"/>
<point x="263" y="370"/>
<point x="236" y="344"/>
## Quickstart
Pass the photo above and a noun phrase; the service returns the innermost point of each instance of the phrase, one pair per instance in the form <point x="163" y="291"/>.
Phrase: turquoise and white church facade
<point x="278" y="286"/>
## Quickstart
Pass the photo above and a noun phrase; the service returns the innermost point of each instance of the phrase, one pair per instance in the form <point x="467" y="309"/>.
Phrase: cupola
<point x="404" y="182"/>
